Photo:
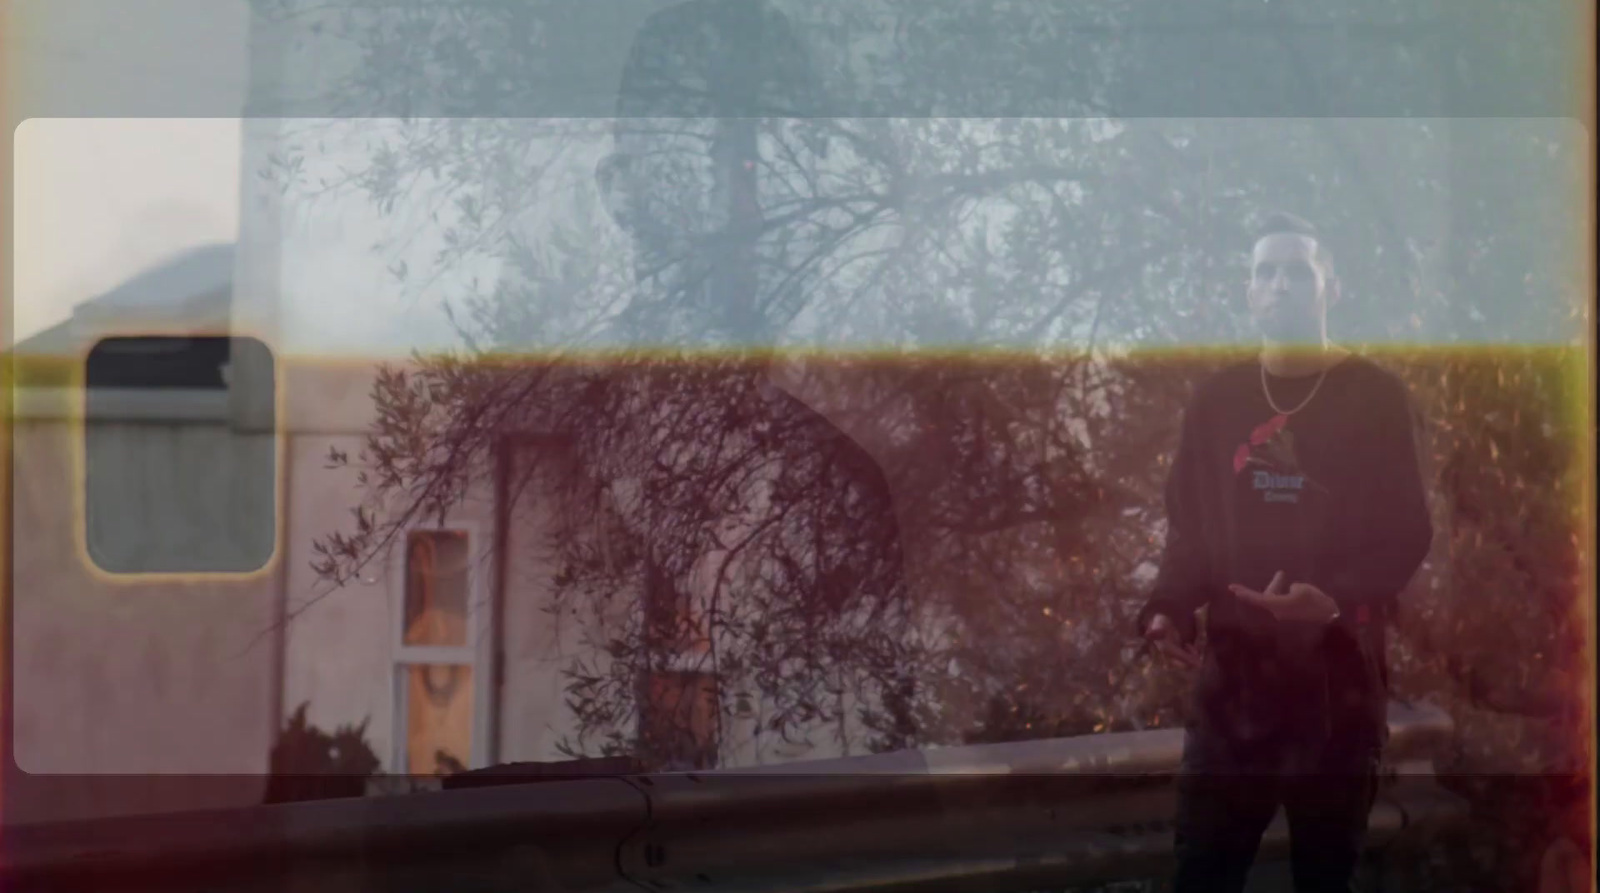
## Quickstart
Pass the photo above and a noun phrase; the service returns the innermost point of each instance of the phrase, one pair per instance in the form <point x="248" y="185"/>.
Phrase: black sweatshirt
<point x="1331" y="495"/>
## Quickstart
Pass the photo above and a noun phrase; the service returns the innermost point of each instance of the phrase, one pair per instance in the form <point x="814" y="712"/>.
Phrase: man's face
<point x="659" y="184"/>
<point x="675" y="186"/>
<point x="1288" y="290"/>
<point x="716" y="212"/>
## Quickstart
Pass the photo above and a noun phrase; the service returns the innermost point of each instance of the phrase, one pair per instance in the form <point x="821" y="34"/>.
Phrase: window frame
<point x="475" y="653"/>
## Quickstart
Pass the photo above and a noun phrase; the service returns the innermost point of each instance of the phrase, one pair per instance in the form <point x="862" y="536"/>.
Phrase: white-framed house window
<point x="441" y="648"/>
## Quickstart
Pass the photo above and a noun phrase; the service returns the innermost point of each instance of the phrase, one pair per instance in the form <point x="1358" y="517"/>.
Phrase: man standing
<point x="1296" y="515"/>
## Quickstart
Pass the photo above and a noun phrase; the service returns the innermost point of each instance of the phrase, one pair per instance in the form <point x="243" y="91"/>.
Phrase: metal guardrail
<point x="1021" y="816"/>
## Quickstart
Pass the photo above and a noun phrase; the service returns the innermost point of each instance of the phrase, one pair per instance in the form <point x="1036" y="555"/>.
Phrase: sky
<point x="103" y="190"/>
<point x="98" y="200"/>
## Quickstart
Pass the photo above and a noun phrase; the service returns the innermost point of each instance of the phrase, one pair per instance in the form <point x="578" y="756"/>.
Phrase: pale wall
<point x="538" y="646"/>
<point x="336" y="648"/>
<point x="154" y="677"/>
<point x="339" y="649"/>
<point x="177" y="677"/>
<point x="341" y="642"/>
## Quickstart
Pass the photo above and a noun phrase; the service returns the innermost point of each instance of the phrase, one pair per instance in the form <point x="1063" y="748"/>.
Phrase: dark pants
<point x="1227" y="796"/>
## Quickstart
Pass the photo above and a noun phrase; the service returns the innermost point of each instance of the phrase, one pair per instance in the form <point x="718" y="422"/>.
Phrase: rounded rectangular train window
<point x="179" y="452"/>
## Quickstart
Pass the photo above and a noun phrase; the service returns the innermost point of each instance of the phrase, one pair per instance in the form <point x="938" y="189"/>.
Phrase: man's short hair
<point x="718" y="59"/>
<point x="1278" y="223"/>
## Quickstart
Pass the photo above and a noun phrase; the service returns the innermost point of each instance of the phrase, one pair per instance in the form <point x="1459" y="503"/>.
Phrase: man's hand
<point x="1299" y="602"/>
<point x="1165" y="636"/>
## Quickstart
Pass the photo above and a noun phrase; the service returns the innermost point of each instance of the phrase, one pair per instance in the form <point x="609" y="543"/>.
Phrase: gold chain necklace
<point x="1267" y="390"/>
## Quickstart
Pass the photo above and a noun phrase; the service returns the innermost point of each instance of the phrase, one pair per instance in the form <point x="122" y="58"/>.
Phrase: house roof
<point x="192" y="290"/>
